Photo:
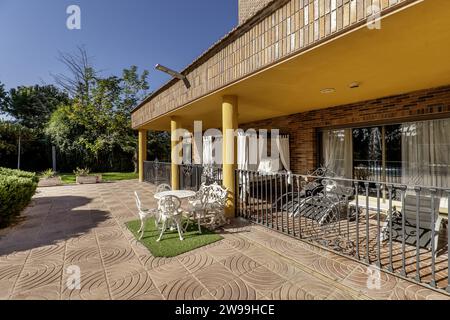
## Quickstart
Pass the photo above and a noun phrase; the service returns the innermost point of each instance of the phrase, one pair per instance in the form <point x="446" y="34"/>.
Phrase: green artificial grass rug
<point x="170" y="244"/>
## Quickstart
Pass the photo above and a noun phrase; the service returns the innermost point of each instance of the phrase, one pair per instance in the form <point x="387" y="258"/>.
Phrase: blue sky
<point x="116" y="33"/>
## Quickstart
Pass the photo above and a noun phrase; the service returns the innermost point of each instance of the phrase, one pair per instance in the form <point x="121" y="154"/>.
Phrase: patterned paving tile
<point x="377" y="285"/>
<point x="235" y="289"/>
<point x="220" y="251"/>
<point x="187" y="288"/>
<point x="274" y="262"/>
<point x="136" y="285"/>
<point x="125" y="269"/>
<point x="115" y="254"/>
<point x="93" y="287"/>
<point x="263" y="279"/>
<point x="87" y="230"/>
<point x="214" y="276"/>
<point x="406" y="290"/>
<point x="50" y="292"/>
<point x="152" y="295"/>
<point x="168" y="272"/>
<point x="38" y="275"/>
<point x="240" y="264"/>
<point x="194" y="262"/>
<point x="151" y="262"/>
<point x="332" y="268"/>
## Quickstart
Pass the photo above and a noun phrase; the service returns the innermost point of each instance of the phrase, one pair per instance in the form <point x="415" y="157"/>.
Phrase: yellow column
<point x="174" y="125"/>
<point x="229" y="122"/>
<point x="142" y="152"/>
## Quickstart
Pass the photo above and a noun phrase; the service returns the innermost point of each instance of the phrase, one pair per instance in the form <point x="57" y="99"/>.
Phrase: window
<point x="414" y="153"/>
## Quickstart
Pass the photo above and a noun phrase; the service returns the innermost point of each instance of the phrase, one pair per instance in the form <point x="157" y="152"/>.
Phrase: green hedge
<point x="19" y="173"/>
<point x="16" y="190"/>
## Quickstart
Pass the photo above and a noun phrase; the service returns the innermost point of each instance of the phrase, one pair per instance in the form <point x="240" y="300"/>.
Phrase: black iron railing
<point x="156" y="172"/>
<point x="191" y="175"/>
<point x="401" y="229"/>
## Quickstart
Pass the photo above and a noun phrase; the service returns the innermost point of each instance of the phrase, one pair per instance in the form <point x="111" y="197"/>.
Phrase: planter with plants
<point x="49" y="178"/>
<point x="84" y="176"/>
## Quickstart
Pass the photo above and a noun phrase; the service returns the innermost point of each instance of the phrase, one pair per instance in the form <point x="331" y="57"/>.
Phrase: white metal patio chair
<point x="144" y="214"/>
<point x="163" y="187"/>
<point x="170" y="212"/>
<point x="215" y="206"/>
<point x="197" y="206"/>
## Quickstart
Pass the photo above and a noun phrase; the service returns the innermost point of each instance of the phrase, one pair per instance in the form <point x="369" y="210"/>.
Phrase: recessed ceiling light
<point x="328" y="90"/>
<point x="354" y="85"/>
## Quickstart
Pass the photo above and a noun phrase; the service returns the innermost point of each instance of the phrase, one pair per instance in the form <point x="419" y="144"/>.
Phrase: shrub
<point x="82" y="172"/>
<point x="49" y="173"/>
<point x="16" y="192"/>
<point x="19" y="173"/>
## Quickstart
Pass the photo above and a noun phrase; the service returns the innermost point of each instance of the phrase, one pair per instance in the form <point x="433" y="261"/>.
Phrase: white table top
<point x="181" y="194"/>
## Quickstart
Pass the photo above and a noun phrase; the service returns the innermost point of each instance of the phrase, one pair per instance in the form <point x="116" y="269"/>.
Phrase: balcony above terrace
<point x="278" y="62"/>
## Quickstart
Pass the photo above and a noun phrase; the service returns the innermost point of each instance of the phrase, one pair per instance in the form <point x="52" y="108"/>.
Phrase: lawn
<point x="69" y="178"/>
<point x="170" y="244"/>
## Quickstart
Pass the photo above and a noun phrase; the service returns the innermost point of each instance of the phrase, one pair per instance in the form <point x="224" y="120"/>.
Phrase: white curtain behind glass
<point x="242" y="155"/>
<point x="337" y="150"/>
<point x="207" y="150"/>
<point x="187" y="150"/>
<point x="426" y="153"/>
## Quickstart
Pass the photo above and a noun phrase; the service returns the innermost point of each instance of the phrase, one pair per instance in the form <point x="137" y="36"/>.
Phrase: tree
<point x="97" y="125"/>
<point x="32" y="106"/>
<point x="9" y="136"/>
<point x="81" y="77"/>
<point x="3" y="95"/>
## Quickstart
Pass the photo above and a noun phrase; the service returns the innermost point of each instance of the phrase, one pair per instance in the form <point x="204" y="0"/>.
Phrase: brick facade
<point x="283" y="28"/>
<point x="248" y="8"/>
<point x="303" y="128"/>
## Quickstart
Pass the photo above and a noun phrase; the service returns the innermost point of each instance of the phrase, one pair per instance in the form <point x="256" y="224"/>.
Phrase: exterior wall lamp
<point x="174" y="74"/>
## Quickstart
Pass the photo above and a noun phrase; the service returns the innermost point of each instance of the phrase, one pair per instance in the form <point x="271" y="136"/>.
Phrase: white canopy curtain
<point x="426" y="153"/>
<point x="337" y="152"/>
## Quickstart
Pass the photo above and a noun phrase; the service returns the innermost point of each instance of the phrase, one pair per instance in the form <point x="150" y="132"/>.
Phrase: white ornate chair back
<point x="169" y="206"/>
<point x="217" y="195"/>
<point x="138" y="202"/>
<point x="163" y="187"/>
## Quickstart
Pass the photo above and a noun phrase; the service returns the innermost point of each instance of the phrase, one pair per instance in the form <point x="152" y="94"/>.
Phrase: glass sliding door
<point x="413" y="153"/>
<point x="337" y="155"/>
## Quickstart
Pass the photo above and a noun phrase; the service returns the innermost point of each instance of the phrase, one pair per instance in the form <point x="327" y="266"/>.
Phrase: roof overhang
<point x="408" y="53"/>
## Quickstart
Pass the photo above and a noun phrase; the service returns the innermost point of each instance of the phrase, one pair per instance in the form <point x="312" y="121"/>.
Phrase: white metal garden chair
<point x="144" y="214"/>
<point x="197" y="206"/>
<point x="170" y="212"/>
<point x="163" y="187"/>
<point x="215" y="206"/>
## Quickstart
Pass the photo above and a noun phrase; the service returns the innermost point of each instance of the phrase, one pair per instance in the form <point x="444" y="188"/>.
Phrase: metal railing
<point x="191" y="175"/>
<point x="374" y="171"/>
<point x="156" y="172"/>
<point x="403" y="233"/>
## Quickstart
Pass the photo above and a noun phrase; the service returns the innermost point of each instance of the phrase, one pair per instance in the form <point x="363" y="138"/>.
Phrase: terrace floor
<point x="84" y="226"/>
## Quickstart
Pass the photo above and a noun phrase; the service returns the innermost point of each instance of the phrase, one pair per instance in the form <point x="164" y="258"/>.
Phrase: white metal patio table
<point x="181" y="194"/>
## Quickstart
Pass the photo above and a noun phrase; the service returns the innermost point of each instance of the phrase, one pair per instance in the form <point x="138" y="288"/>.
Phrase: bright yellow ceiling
<point x="410" y="52"/>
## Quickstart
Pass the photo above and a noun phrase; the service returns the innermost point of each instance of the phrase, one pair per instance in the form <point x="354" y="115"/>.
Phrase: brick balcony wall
<point x="248" y="8"/>
<point x="283" y="28"/>
<point x="304" y="128"/>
